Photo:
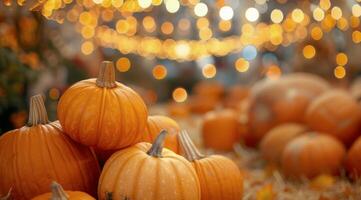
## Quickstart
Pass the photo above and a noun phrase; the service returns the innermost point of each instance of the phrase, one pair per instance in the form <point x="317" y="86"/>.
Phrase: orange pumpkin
<point x="335" y="113"/>
<point x="353" y="159"/>
<point x="219" y="176"/>
<point x="201" y="104"/>
<point x="178" y="109"/>
<point x="312" y="154"/>
<point x="211" y="89"/>
<point x="158" y="123"/>
<point x="58" y="193"/>
<point x="220" y="129"/>
<point x="36" y="154"/>
<point x="235" y="95"/>
<point x="102" y="112"/>
<point x="146" y="171"/>
<point x="273" y="102"/>
<point x="273" y="144"/>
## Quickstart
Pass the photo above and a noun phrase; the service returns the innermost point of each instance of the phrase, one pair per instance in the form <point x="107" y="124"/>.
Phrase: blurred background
<point x="163" y="48"/>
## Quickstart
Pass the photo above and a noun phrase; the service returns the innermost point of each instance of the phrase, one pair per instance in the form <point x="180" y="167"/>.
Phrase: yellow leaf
<point x="265" y="193"/>
<point x="322" y="182"/>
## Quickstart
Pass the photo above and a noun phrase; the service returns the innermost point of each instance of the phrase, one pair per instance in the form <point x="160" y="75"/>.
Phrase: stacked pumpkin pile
<point x="105" y="116"/>
<point x="300" y="123"/>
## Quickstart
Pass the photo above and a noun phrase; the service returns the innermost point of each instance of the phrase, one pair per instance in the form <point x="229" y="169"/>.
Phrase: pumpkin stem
<point x="157" y="146"/>
<point x="57" y="192"/>
<point x="8" y="195"/>
<point x="190" y="150"/>
<point x="106" y="76"/>
<point x="37" y="111"/>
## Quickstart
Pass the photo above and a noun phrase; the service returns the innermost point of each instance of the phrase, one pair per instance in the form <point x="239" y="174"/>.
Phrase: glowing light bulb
<point x="339" y="72"/>
<point x="336" y="13"/>
<point x="179" y="94"/>
<point x="252" y="14"/>
<point x="241" y="65"/>
<point x="309" y="51"/>
<point x="172" y="6"/>
<point x="298" y="15"/>
<point x="276" y="16"/>
<point x="318" y="14"/>
<point x="209" y="71"/>
<point x="144" y="3"/>
<point x="226" y="13"/>
<point x="356" y="10"/>
<point x="200" y="9"/>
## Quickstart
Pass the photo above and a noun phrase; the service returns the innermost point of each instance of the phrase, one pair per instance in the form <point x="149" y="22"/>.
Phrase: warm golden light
<point x="149" y="24"/>
<point x="184" y="24"/>
<point x="356" y="10"/>
<point x="339" y="72"/>
<point x="87" y="47"/>
<point x="226" y="13"/>
<point x="123" y="64"/>
<point x="54" y="93"/>
<point x="172" y="6"/>
<point x="273" y="72"/>
<point x="209" y="71"/>
<point x="318" y="14"/>
<point x="144" y="3"/>
<point x="252" y="14"/>
<point x="179" y="94"/>
<point x="276" y="16"/>
<point x="242" y="65"/>
<point x="341" y="59"/>
<point x="298" y="15"/>
<point x="356" y="37"/>
<point x="202" y="23"/>
<point x="336" y="13"/>
<point x="159" y="72"/>
<point x="224" y="25"/>
<point x="316" y="33"/>
<point x="200" y="9"/>
<point x="309" y="51"/>
<point x="325" y="4"/>
<point x="167" y="28"/>
<point x="122" y="26"/>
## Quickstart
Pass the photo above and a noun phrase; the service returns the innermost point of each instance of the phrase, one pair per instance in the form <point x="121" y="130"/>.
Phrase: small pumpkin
<point x="235" y="95"/>
<point x="58" y="193"/>
<point x="273" y="144"/>
<point x="312" y="154"/>
<point x="271" y="100"/>
<point x="335" y="113"/>
<point x="102" y="113"/>
<point x="157" y="123"/>
<point x="38" y="153"/>
<point x="353" y="160"/>
<point x="219" y="176"/>
<point x="220" y="129"/>
<point x="148" y="171"/>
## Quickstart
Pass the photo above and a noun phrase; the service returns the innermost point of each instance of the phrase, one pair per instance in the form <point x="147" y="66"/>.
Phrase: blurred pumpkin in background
<point x="353" y="160"/>
<point x="273" y="144"/>
<point x="273" y="102"/>
<point x="178" y="109"/>
<point x="155" y="125"/>
<point x="312" y="154"/>
<point x="220" y="129"/>
<point x="201" y="104"/>
<point x="235" y="95"/>
<point x="335" y="113"/>
<point x="211" y="89"/>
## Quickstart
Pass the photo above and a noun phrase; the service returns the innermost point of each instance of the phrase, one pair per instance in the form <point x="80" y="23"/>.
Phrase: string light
<point x="336" y="13"/>
<point x="252" y="14"/>
<point x="87" y="47"/>
<point x="298" y="15"/>
<point x="318" y="14"/>
<point x="172" y="6"/>
<point x="241" y="65"/>
<point x="200" y="9"/>
<point x="309" y="51"/>
<point x="226" y="13"/>
<point x="179" y="95"/>
<point x="276" y="16"/>
<point x="356" y="10"/>
<point x="209" y="71"/>
<point x="339" y="72"/>
<point x="341" y="59"/>
<point x="159" y="72"/>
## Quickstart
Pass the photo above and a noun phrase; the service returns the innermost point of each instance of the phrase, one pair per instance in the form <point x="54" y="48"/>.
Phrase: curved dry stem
<point x="157" y="146"/>
<point x="190" y="150"/>
<point x="37" y="111"/>
<point x="57" y="192"/>
<point x="106" y="76"/>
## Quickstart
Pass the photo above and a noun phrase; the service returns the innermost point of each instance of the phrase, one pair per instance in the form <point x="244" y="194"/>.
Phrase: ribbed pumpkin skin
<point x="105" y="118"/>
<point x="32" y="157"/>
<point x="273" y="144"/>
<point x="220" y="129"/>
<point x="353" y="160"/>
<point x="335" y="113"/>
<point x="312" y="154"/>
<point x="219" y="178"/>
<point x="133" y="174"/>
<point x="73" y="195"/>
<point x="157" y="123"/>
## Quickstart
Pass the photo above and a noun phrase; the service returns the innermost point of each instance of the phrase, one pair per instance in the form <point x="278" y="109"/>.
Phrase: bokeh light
<point x="159" y="72"/>
<point x="241" y="65"/>
<point x="123" y="64"/>
<point x="209" y="71"/>
<point x="276" y="16"/>
<point x="201" y="9"/>
<point x="226" y="13"/>
<point x="252" y="14"/>
<point x="339" y="72"/>
<point x="179" y="94"/>
<point x="309" y="51"/>
<point x="298" y="15"/>
<point x="341" y="59"/>
<point x="249" y="52"/>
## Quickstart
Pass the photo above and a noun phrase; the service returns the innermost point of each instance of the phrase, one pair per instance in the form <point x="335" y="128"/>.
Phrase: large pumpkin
<point x="58" y="193"/>
<point x="102" y="112"/>
<point x="273" y="102"/>
<point x="353" y="160"/>
<point x="36" y="154"/>
<point x="220" y="129"/>
<point x="335" y="113"/>
<point x="219" y="176"/>
<point x="273" y="144"/>
<point x="312" y="154"/>
<point x="158" y="123"/>
<point x="146" y="171"/>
